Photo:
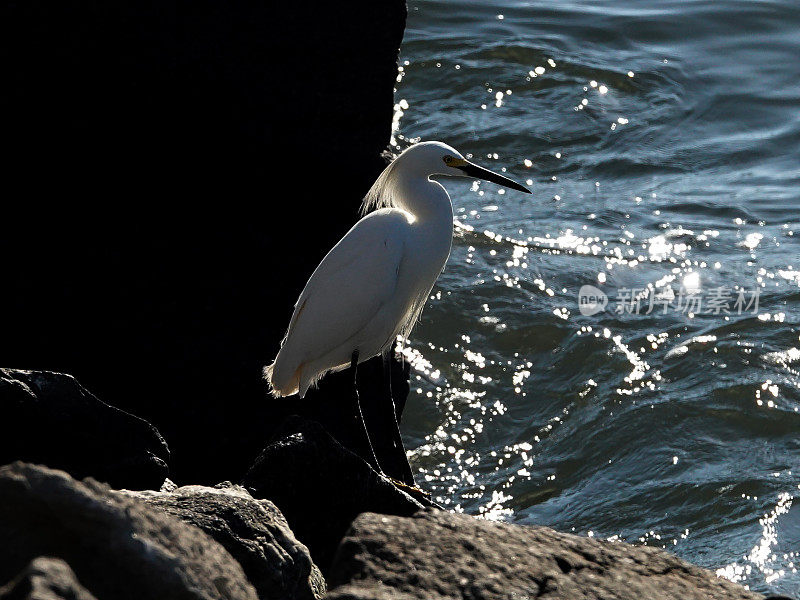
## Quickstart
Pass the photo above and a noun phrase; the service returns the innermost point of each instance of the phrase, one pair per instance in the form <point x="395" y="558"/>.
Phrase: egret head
<point x="437" y="158"/>
<point x="428" y="159"/>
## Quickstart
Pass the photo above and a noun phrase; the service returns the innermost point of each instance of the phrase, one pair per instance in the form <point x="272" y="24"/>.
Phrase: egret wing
<point x="349" y="287"/>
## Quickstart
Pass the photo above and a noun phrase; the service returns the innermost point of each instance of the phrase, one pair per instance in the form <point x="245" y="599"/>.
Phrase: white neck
<point x="422" y="197"/>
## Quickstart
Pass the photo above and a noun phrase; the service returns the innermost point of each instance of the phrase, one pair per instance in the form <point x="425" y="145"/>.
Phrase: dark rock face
<point x="45" y="578"/>
<point x="254" y="532"/>
<point x="178" y="171"/>
<point x="332" y="405"/>
<point x="436" y="555"/>
<point x="49" y="418"/>
<point x="320" y="486"/>
<point x="118" y="547"/>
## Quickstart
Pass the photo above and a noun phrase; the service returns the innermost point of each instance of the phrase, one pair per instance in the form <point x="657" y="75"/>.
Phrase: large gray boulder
<point x="117" y="546"/>
<point x="254" y="532"/>
<point x="49" y="418"/>
<point x="45" y="578"/>
<point x="435" y="555"/>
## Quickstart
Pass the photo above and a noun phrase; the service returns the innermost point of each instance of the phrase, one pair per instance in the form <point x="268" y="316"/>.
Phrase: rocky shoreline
<point x="174" y="139"/>
<point x="309" y="520"/>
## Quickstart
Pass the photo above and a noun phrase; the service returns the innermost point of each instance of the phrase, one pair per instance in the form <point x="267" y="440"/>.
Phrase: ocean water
<point x="661" y="141"/>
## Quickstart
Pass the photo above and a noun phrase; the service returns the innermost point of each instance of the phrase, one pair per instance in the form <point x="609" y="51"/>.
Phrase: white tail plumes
<point x="280" y="389"/>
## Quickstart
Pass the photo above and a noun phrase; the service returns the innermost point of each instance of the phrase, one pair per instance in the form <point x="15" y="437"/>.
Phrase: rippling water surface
<point x="662" y="144"/>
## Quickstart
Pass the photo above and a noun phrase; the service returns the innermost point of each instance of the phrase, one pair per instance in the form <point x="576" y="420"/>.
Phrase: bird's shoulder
<point x="384" y="219"/>
<point x="386" y="228"/>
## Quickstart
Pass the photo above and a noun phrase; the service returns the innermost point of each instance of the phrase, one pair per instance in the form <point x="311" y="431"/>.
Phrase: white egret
<point x="373" y="284"/>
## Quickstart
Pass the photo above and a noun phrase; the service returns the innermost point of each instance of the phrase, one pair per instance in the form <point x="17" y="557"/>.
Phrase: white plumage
<point x="373" y="284"/>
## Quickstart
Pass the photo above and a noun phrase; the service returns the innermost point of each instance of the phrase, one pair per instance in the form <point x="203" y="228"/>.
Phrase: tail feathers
<point x="309" y="382"/>
<point x="280" y="387"/>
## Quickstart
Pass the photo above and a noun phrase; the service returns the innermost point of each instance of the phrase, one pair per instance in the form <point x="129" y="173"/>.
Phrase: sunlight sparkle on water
<point x="521" y="372"/>
<point x="762" y="557"/>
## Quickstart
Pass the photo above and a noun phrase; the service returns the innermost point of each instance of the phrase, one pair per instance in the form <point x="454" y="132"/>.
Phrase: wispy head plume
<point x="382" y="193"/>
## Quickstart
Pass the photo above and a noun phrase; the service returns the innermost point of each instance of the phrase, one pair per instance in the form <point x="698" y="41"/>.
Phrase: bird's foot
<point x="411" y="490"/>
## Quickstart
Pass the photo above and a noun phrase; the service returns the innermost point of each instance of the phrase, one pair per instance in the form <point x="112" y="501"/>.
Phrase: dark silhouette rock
<point x="435" y="555"/>
<point x="177" y="171"/>
<point x="332" y="405"/>
<point x="118" y="547"/>
<point x="320" y="486"/>
<point x="253" y="531"/>
<point x="49" y="418"/>
<point x="45" y="578"/>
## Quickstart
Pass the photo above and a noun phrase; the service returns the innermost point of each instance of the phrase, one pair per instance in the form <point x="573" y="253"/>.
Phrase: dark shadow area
<point x="177" y="171"/>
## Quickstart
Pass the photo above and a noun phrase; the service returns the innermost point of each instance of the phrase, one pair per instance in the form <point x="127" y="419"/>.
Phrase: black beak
<point x="477" y="172"/>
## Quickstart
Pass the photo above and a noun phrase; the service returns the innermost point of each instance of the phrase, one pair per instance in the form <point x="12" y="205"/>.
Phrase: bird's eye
<point x="448" y="159"/>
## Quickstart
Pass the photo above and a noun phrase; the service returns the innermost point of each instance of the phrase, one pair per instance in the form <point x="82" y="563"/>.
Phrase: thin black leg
<point x="397" y="441"/>
<point x="359" y="415"/>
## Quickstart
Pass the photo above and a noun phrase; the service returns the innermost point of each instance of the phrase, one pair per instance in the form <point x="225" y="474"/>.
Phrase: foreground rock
<point x="320" y="486"/>
<point x="436" y="556"/>
<point x="45" y="579"/>
<point x="49" y="418"/>
<point x="119" y="547"/>
<point x="254" y="532"/>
